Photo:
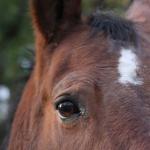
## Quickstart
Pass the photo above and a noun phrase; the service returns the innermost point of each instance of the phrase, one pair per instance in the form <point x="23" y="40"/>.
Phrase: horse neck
<point x="25" y="120"/>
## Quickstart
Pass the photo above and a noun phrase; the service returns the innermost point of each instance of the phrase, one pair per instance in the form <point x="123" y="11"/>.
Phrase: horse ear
<point x="52" y="17"/>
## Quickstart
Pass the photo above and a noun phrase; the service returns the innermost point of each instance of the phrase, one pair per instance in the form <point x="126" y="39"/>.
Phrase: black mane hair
<point x="114" y="27"/>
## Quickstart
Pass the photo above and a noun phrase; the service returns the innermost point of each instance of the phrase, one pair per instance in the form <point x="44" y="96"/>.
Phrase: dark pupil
<point x="67" y="109"/>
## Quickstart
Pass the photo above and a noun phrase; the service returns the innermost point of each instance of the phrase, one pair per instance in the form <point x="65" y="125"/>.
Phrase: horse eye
<point x="67" y="109"/>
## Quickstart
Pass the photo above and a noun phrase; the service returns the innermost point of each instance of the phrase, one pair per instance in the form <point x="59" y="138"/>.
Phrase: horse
<point x="90" y="86"/>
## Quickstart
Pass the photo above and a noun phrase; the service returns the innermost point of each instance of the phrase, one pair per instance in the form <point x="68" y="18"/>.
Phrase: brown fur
<point x="69" y="61"/>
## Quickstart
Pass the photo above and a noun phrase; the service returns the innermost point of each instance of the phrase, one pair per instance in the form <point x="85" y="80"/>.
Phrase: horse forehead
<point x="125" y="63"/>
<point x="79" y="51"/>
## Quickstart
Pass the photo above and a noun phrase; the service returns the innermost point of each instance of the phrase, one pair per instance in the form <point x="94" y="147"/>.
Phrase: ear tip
<point x="49" y="15"/>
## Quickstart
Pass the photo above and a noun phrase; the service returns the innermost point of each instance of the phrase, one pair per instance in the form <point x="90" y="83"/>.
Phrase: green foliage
<point x="15" y="37"/>
<point x="115" y="5"/>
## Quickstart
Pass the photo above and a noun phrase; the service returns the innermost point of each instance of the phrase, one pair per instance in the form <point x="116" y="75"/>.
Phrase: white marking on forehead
<point x="128" y="67"/>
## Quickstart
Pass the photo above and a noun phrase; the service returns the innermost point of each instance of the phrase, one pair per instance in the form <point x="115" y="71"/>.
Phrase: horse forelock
<point x="114" y="27"/>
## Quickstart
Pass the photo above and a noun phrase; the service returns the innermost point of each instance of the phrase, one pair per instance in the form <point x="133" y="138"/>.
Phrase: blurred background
<point x="17" y="52"/>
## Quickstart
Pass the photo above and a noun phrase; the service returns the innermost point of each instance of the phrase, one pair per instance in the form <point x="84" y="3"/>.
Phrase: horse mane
<point x="115" y="27"/>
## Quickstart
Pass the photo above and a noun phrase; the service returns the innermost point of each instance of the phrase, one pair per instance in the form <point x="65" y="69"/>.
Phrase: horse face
<point x="91" y="103"/>
<point x="87" y="90"/>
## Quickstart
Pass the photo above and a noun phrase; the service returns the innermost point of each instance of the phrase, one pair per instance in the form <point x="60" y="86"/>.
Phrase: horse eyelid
<point x="66" y="97"/>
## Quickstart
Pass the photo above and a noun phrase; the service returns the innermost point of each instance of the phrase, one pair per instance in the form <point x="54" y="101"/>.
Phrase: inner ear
<point x="54" y="17"/>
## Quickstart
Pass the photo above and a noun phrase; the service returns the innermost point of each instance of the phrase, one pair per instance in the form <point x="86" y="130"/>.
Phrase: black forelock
<point x="114" y="27"/>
